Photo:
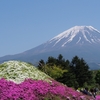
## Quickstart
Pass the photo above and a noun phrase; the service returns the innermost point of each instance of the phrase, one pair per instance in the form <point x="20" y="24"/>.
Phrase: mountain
<point x="83" y="41"/>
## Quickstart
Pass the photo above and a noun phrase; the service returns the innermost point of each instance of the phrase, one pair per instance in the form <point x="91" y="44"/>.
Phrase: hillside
<point x="22" y="81"/>
<point x="18" y="71"/>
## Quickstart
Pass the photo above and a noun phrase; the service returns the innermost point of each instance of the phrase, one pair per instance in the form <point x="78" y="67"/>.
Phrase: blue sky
<point x="25" y="24"/>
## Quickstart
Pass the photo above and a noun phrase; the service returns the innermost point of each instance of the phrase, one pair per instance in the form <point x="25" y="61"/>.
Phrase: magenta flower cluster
<point x="38" y="90"/>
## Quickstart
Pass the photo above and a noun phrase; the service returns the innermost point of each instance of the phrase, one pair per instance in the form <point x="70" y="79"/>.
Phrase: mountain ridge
<point x="83" y="41"/>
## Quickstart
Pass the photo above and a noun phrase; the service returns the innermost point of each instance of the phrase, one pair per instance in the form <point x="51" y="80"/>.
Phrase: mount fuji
<point x="81" y="41"/>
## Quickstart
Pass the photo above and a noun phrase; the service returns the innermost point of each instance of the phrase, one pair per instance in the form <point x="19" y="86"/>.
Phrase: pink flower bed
<point x="98" y="97"/>
<point x="38" y="90"/>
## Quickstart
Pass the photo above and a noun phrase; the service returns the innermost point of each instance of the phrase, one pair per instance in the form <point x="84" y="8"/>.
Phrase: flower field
<point x="38" y="90"/>
<point x="22" y="81"/>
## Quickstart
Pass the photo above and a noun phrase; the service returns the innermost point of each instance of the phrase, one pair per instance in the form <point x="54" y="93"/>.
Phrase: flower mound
<point x="38" y="90"/>
<point x="18" y="71"/>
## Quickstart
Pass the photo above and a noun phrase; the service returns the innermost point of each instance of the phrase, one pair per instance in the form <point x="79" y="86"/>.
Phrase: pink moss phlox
<point x="37" y="90"/>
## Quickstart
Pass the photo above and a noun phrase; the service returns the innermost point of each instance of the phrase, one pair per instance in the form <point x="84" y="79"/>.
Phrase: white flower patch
<point x="17" y="72"/>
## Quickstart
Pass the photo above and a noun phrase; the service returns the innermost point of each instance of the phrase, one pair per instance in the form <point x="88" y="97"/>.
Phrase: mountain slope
<point x="81" y="36"/>
<point x="83" y="41"/>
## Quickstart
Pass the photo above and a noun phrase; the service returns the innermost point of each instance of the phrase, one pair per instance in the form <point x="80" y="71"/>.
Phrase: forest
<point x="75" y="73"/>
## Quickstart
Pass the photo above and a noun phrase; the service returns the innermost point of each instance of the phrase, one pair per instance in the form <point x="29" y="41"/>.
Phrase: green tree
<point x="53" y="71"/>
<point x="41" y="64"/>
<point x="97" y="77"/>
<point x="56" y="72"/>
<point x="51" y="61"/>
<point x="60" y="61"/>
<point x="75" y="73"/>
<point x="81" y="70"/>
<point x="69" y="79"/>
<point x="60" y="57"/>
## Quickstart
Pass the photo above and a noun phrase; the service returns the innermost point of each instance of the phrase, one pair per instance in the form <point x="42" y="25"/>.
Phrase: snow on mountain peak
<point x="83" y="33"/>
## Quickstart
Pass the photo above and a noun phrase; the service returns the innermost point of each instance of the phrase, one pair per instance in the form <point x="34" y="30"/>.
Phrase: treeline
<point x="74" y="73"/>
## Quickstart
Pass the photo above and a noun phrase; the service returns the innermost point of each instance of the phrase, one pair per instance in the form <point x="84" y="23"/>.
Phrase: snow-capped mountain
<point x="78" y="34"/>
<point x="83" y="41"/>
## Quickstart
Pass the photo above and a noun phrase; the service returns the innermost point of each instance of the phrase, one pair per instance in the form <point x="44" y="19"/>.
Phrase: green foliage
<point x="53" y="71"/>
<point x="56" y="72"/>
<point x="81" y="71"/>
<point x="74" y="74"/>
<point x="68" y="79"/>
<point x="51" y="61"/>
<point x="97" y="77"/>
